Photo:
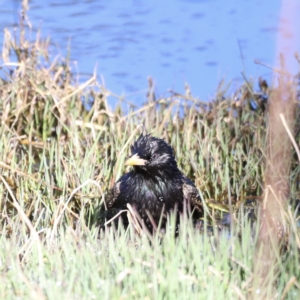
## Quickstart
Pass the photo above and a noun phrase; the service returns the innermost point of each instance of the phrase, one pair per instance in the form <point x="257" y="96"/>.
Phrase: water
<point x="173" y="41"/>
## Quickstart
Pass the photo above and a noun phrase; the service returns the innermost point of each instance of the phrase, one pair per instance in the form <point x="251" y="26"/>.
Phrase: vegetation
<point x="57" y="161"/>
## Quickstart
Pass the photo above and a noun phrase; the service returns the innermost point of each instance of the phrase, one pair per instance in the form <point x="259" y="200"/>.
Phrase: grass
<point x="122" y="265"/>
<point x="57" y="161"/>
<point x="80" y="267"/>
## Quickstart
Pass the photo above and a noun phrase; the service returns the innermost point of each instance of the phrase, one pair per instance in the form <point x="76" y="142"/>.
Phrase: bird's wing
<point x="113" y="194"/>
<point x="191" y="194"/>
<point x="110" y="210"/>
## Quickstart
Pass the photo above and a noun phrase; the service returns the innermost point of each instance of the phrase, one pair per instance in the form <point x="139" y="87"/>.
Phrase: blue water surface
<point x="198" y="42"/>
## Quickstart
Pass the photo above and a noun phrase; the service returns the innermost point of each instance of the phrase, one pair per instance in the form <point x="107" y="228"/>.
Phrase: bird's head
<point x="151" y="154"/>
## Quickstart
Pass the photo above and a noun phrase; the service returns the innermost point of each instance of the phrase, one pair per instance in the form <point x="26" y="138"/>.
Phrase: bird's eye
<point x="154" y="156"/>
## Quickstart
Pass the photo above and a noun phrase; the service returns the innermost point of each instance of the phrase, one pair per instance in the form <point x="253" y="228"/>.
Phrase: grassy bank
<point x="57" y="160"/>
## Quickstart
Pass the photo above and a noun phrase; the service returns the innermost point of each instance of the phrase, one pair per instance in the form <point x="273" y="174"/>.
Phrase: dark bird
<point x="155" y="186"/>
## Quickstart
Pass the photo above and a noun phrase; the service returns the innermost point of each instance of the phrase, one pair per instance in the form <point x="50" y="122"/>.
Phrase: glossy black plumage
<point x="155" y="184"/>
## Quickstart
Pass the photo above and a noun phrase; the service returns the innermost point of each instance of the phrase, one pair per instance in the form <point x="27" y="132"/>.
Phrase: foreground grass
<point x="121" y="265"/>
<point x="57" y="161"/>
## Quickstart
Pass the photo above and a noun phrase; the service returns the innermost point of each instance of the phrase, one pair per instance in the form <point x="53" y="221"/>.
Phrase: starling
<point x="155" y="186"/>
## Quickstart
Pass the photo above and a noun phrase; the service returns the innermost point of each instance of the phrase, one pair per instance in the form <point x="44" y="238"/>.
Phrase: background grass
<point x="57" y="160"/>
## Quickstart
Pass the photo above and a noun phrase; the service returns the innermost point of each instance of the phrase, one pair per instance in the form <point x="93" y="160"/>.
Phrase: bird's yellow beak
<point x="135" y="160"/>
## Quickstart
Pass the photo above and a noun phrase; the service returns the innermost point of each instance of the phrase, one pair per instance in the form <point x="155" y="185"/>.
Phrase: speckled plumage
<point x="155" y="184"/>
